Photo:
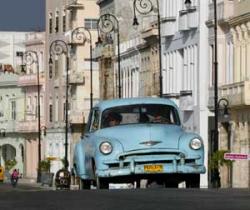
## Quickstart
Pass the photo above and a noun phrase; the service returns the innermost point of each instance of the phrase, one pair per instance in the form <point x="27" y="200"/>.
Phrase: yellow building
<point x="62" y="18"/>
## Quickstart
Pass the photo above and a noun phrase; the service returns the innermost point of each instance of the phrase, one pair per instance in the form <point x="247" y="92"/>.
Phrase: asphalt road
<point x="35" y="198"/>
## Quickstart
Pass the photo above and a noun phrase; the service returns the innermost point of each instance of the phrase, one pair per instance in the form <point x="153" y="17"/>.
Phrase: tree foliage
<point x="217" y="160"/>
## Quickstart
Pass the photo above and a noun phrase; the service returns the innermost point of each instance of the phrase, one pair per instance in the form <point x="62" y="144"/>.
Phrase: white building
<point x="11" y="43"/>
<point x="184" y="59"/>
<point x="12" y="145"/>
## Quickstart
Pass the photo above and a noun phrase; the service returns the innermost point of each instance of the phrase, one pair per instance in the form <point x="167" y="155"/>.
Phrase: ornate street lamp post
<point x="57" y="48"/>
<point x="107" y="24"/>
<point x="78" y="35"/>
<point x="30" y="58"/>
<point x="225" y="103"/>
<point x="216" y="103"/>
<point x="145" y="7"/>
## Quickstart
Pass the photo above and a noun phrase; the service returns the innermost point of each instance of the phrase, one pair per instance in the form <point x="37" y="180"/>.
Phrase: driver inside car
<point x="114" y="119"/>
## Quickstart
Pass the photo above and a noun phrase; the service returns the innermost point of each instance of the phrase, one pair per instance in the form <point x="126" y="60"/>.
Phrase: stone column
<point x="223" y="140"/>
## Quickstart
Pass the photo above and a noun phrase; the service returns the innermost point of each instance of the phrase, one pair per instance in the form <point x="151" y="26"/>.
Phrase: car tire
<point x="193" y="181"/>
<point x="101" y="183"/>
<point x="84" y="184"/>
<point x="138" y="184"/>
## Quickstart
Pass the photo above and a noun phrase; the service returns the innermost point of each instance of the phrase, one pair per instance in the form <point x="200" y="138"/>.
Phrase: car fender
<point x="79" y="160"/>
<point x="99" y="158"/>
<point x="184" y="145"/>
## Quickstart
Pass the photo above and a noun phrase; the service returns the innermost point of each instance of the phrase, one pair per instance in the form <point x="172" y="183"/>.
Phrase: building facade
<point x="62" y="17"/>
<point x="184" y="74"/>
<point x="139" y="66"/>
<point x="12" y="146"/>
<point x="233" y="76"/>
<point x="33" y="66"/>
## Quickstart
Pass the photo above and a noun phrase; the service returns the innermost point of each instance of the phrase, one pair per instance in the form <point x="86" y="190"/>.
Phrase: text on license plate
<point x="153" y="168"/>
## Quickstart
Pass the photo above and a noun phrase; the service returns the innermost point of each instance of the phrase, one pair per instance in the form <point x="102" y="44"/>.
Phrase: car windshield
<point x="140" y="113"/>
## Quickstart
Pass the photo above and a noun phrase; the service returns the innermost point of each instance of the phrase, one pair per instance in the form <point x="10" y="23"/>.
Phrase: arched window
<point x="8" y="152"/>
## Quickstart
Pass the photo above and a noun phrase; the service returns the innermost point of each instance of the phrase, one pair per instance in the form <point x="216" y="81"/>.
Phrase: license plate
<point x="153" y="168"/>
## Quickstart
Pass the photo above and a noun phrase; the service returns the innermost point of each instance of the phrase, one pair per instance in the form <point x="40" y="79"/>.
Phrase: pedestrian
<point x="14" y="177"/>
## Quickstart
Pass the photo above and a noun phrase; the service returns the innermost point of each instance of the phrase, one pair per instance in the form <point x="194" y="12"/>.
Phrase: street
<point x="29" y="197"/>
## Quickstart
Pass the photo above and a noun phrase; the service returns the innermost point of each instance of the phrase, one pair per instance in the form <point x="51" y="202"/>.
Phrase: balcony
<point x="74" y="5"/>
<point x="188" y="19"/>
<point x="30" y="80"/>
<point x="149" y="33"/>
<point x="76" y="117"/>
<point x="76" y="78"/>
<point x="27" y="126"/>
<point x="237" y="94"/>
<point x="8" y="125"/>
<point x="225" y="10"/>
<point x="35" y="38"/>
<point x="183" y="20"/>
<point x="186" y="101"/>
<point x="193" y="18"/>
<point x="168" y="26"/>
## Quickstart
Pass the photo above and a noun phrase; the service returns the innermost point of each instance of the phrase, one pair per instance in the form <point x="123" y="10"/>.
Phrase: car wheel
<point x="138" y="184"/>
<point x="193" y="181"/>
<point x="84" y="184"/>
<point x="101" y="183"/>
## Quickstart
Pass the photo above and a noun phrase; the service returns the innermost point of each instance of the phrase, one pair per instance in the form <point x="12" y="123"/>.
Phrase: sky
<point x="22" y="15"/>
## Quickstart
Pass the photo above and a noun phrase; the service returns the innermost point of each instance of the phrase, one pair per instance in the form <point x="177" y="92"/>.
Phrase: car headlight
<point x="106" y="148"/>
<point x="195" y="144"/>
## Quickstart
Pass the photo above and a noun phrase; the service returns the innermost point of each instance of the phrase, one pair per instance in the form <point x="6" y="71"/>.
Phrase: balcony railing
<point x="76" y="117"/>
<point x="34" y="38"/>
<point x="30" y="79"/>
<point x="27" y="126"/>
<point x="237" y="94"/>
<point x="73" y="5"/>
<point x="149" y="33"/>
<point x="188" y="19"/>
<point x="225" y="10"/>
<point x="8" y="125"/>
<point x="168" y="26"/>
<point x="183" y="20"/>
<point x="186" y="101"/>
<point x="76" y="78"/>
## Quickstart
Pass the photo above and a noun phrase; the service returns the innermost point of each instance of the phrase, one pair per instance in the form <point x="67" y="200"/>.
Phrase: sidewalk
<point x="33" y="183"/>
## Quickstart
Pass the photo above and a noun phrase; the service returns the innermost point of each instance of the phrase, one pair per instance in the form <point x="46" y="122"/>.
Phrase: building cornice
<point x="98" y="2"/>
<point x="239" y="19"/>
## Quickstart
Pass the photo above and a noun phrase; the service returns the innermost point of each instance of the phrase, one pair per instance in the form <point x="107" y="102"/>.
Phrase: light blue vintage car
<point x="127" y="140"/>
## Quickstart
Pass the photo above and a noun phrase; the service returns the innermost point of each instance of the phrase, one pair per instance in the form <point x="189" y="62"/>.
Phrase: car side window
<point x="94" y="120"/>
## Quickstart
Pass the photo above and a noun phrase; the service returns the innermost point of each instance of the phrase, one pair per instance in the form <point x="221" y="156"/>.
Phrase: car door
<point x="90" y="140"/>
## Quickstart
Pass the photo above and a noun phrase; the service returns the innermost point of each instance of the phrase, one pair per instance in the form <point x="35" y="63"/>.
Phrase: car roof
<point x="131" y="101"/>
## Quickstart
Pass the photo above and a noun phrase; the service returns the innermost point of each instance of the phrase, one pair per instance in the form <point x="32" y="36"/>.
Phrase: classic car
<point x="127" y="140"/>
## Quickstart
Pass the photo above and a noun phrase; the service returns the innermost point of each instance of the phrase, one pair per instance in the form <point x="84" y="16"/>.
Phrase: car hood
<point x="143" y="136"/>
